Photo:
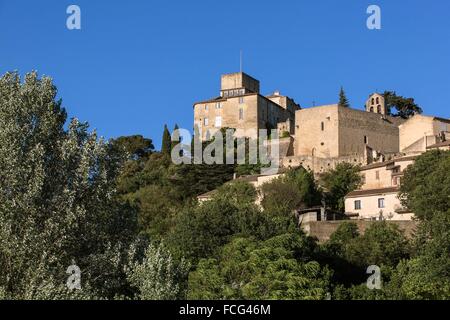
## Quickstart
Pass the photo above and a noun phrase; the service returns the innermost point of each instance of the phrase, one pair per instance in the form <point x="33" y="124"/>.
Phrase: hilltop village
<point x="320" y="137"/>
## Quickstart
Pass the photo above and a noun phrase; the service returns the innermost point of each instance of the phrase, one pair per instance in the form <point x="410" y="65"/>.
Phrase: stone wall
<point x="316" y="132"/>
<point x="359" y="128"/>
<point x="322" y="230"/>
<point x="332" y="131"/>
<point x="320" y="165"/>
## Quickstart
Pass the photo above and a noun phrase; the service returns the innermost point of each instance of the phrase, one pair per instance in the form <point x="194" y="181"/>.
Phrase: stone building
<point x="377" y="198"/>
<point x="330" y="134"/>
<point x="332" y="131"/>
<point x="421" y="132"/>
<point x="241" y="106"/>
<point x="319" y="138"/>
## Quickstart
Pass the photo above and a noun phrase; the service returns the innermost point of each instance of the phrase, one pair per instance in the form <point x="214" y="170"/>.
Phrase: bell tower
<point x="376" y="104"/>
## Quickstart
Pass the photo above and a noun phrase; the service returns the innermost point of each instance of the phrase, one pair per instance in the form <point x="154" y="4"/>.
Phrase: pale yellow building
<point x="385" y="174"/>
<point x="376" y="204"/>
<point x="377" y="198"/>
<point x="241" y="106"/>
<point x="420" y="132"/>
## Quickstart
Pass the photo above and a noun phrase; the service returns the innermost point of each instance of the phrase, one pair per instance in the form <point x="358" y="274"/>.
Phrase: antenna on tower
<point x="240" y="60"/>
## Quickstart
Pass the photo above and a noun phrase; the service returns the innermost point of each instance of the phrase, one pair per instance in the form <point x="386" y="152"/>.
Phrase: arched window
<point x="373" y="100"/>
<point x="378" y="100"/>
<point x="379" y="109"/>
<point x="371" y="109"/>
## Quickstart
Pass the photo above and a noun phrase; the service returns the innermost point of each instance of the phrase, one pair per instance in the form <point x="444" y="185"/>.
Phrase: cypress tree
<point x="176" y="137"/>
<point x="343" y="101"/>
<point x="166" y="142"/>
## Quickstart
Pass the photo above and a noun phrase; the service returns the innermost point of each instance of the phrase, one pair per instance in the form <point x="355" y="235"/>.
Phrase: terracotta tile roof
<point x="386" y="163"/>
<point x="372" y="192"/>
<point x="439" y="144"/>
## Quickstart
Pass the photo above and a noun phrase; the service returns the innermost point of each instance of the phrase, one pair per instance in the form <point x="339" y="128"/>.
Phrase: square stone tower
<point x="236" y="84"/>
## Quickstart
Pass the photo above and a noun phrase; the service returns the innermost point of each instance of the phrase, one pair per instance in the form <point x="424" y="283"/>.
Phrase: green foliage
<point x="278" y="268"/>
<point x="158" y="276"/>
<point x="57" y="199"/>
<point x="166" y="145"/>
<point x="59" y="204"/>
<point x="196" y="179"/>
<point x="382" y="244"/>
<point x="136" y="146"/>
<point x="346" y="232"/>
<point x="349" y="254"/>
<point x="406" y="107"/>
<point x="203" y="228"/>
<point x="427" y="274"/>
<point x="343" y="101"/>
<point x="338" y="182"/>
<point x="296" y="189"/>
<point x="427" y="182"/>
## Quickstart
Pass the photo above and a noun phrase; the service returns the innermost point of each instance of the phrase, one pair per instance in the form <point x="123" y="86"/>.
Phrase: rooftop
<point x="372" y="192"/>
<point x="439" y="144"/>
<point x="386" y="163"/>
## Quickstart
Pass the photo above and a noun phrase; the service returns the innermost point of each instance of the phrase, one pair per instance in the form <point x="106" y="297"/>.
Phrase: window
<point x="225" y="94"/>
<point x="242" y="91"/>
<point x="377" y="175"/>
<point x="363" y="178"/>
<point x="373" y="101"/>
<point x="241" y="100"/>
<point x="206" y="107"/>
<point x="381" y="203"/>
<point x="218" y="105"/>
<point x="218" y="122"/>
<point x="378" y="100"/>
<point x="357" y="204"/>
<point x="366" y="140"/>
<point x="379" y="109"/>
<point x="371" y="109"/>
<point x="241" y="114"/>
<point x="322" y="126"/>
<point x="205" y="122"/>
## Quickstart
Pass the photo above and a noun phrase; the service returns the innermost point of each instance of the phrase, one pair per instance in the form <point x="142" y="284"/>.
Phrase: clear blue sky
<point x="136" y="65"/>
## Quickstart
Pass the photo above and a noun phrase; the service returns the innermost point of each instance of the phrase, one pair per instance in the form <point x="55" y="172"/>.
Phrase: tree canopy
<point x="338" y="182"/>
<point x="343" y="101"/>
<point x="405" y="107"/>
<point x="427" y="181"/>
